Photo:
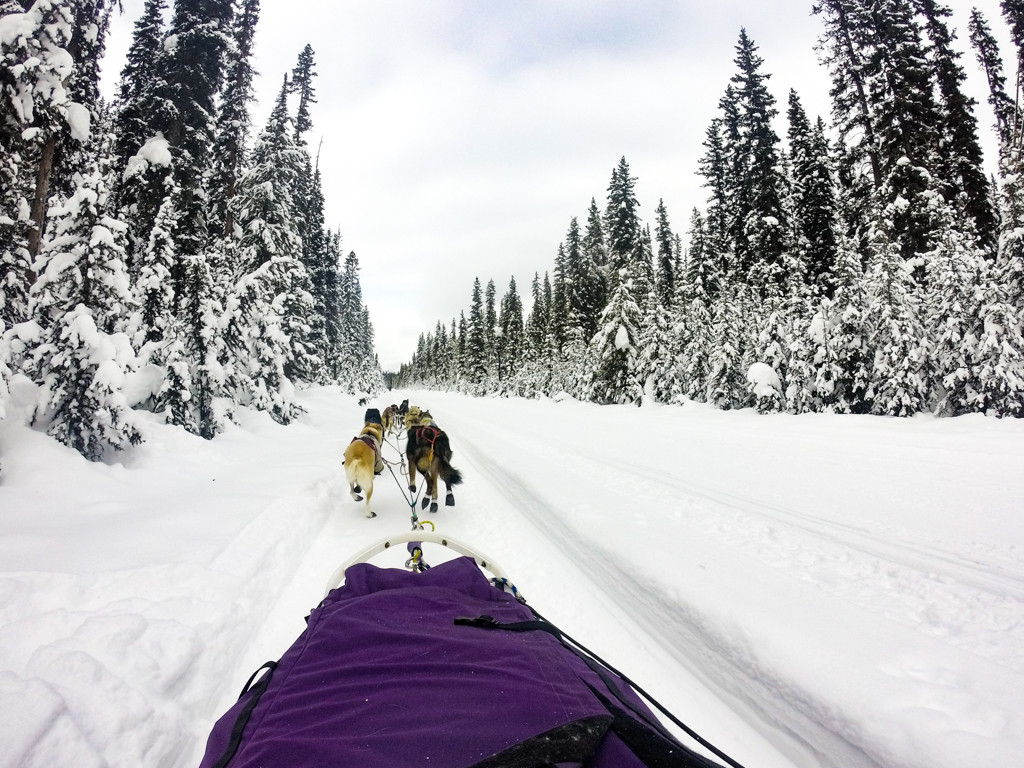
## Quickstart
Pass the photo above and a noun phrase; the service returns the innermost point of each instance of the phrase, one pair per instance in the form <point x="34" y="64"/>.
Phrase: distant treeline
<point x="865" y="266"/>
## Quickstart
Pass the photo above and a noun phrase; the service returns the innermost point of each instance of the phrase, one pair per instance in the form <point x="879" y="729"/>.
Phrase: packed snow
<point x="802" y="591"/>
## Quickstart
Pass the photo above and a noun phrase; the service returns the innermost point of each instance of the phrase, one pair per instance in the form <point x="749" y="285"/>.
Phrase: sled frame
<point x="426" y="537"/>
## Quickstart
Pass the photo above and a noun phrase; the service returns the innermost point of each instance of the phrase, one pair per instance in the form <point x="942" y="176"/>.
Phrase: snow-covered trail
<point x="802" y="591"/>
<point x="763" y="572"/>
<point x="756" y="574"/>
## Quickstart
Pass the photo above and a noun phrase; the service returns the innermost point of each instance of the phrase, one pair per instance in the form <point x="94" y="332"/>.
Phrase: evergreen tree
<point x="80" y="297"/>
<point x="490" y="321"/>
<point x="960" y="161"/>
<point x="266" y="212"/>
<point x="135" y="89"/>
<point x="656" y="359"/>
<point x="986" y="49"/>
<point x="510" y="342"/>
<point x="622" y="224"/>
<point x="189" y="75"/>
<point x="476" y="334"/>
<point x="35" y="69"/>
<point x="726" y="386"/>
<point x="153" y="287"/>
<point x="593" y="293"/>
<point x="615" y="376"/>
<point x="667" y="257"/>
<point x="844" y="387"/>
<point x="233" y="118"/>
<point x="895" y="335"/>
<point x="846" y="51"/>
<point x="813" y="200"/>
<point x="302" y="83"/>
<point x="537" y="325"/>
<point x="760" y="249"/>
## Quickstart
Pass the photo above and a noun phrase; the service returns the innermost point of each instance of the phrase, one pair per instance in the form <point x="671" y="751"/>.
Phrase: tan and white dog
<point x="363" y="461"/>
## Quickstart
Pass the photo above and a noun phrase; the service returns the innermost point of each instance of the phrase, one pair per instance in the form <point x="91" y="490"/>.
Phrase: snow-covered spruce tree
<point x="622" y="225"/>
<point x="806" y="354"/>
<point x="353" y="328"/>
<point x="668" y="257"/>
<point x="895" y="334"/>
<point x="511" y="342"/>
<point x="36" y="67"/>
<point x="772" y="341"/>
<point x="702" y="280"/>
<point x="845" y="388"/>
<point x="538" y="367"/>
<point x="189" y="73"/>
<point x="490" y="324"/>
<point x="957" y="292"/>
<point x="655" y="353"/>
<point x="999" y="359"/>
<point x="321" y="266"/>
<point x="15" y="264"/>
<point x="134" y="98"/>
<point x="195" y="335"/>
<point x="812" y="200"/>
<point x="760" y="248"/>
<point x="81" y="295"/>
<point x="593" y="273"/>
<point x="328" y="287"/>
<point x="960" y="163"/>
<point x="476" y="352"/>
<point x="615" y="377"/>
<point x="153" y="288"/>
<point x="302" y="83"/>
<point x="726" y="385"/>
<point x="580" y="276"/>
<point x="1006" y="112"/>
<point x="271" y="253"/>
<point x="234" y="120"/>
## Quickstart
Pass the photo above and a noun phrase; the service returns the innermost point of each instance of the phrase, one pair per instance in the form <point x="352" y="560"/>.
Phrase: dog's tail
<point x="448" y="473"/>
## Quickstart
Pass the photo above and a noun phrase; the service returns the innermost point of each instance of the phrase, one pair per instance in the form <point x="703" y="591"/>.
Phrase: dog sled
<point x="444" y="667"/>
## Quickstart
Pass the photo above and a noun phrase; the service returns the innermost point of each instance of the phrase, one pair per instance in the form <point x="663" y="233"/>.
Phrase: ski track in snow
<point x="938" y="590"/>
<point x="729" y="591"/>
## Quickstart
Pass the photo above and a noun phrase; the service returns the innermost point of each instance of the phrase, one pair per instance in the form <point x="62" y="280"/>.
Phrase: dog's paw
<point x="433" y="507"/>
<point x="371" y="514"/>
<point x="412" y="488"/>
<point x="357" y="497"/>
<point x="449" y="500"/>
<point x="423" y="504"/>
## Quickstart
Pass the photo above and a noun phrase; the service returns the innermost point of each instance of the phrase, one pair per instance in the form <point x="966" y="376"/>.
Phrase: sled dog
<point x="429" y="451"/>
<point x="363" y="461"/>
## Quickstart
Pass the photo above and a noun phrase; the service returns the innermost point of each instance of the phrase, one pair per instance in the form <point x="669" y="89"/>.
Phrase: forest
<point x="159" y="252"/>
<point x="868" y="265"/>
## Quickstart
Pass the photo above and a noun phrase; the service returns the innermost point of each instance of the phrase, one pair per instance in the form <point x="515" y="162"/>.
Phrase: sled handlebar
<point x="484" y="562"/>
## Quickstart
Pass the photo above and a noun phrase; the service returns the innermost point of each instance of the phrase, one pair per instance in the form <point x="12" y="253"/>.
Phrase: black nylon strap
<point x="242" y="720"/>
<point x="603" y="668"/>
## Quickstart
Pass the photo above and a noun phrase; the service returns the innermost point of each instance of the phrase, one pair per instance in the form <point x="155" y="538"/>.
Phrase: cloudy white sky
<point x="461" y="136"/>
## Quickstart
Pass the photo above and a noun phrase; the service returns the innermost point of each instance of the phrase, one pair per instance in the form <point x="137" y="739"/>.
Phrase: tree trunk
<point x="35" y="232"/>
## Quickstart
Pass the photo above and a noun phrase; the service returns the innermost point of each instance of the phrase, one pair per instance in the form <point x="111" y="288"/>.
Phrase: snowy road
<point x="752" y="559"/>
<point x="802" y="591"/>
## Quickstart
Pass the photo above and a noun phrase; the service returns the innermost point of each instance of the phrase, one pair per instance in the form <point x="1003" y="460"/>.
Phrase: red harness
<point x="421" y="433"/>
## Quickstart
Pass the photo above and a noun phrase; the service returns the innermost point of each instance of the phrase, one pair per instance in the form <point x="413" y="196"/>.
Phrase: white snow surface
<point x="816" y="590"/>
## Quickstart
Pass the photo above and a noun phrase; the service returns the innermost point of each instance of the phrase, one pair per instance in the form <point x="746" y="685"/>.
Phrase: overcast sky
<point x="460" y="136"/>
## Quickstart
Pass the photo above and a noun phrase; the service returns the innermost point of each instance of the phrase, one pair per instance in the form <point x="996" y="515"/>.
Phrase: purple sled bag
<point x="438" y="668"/>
